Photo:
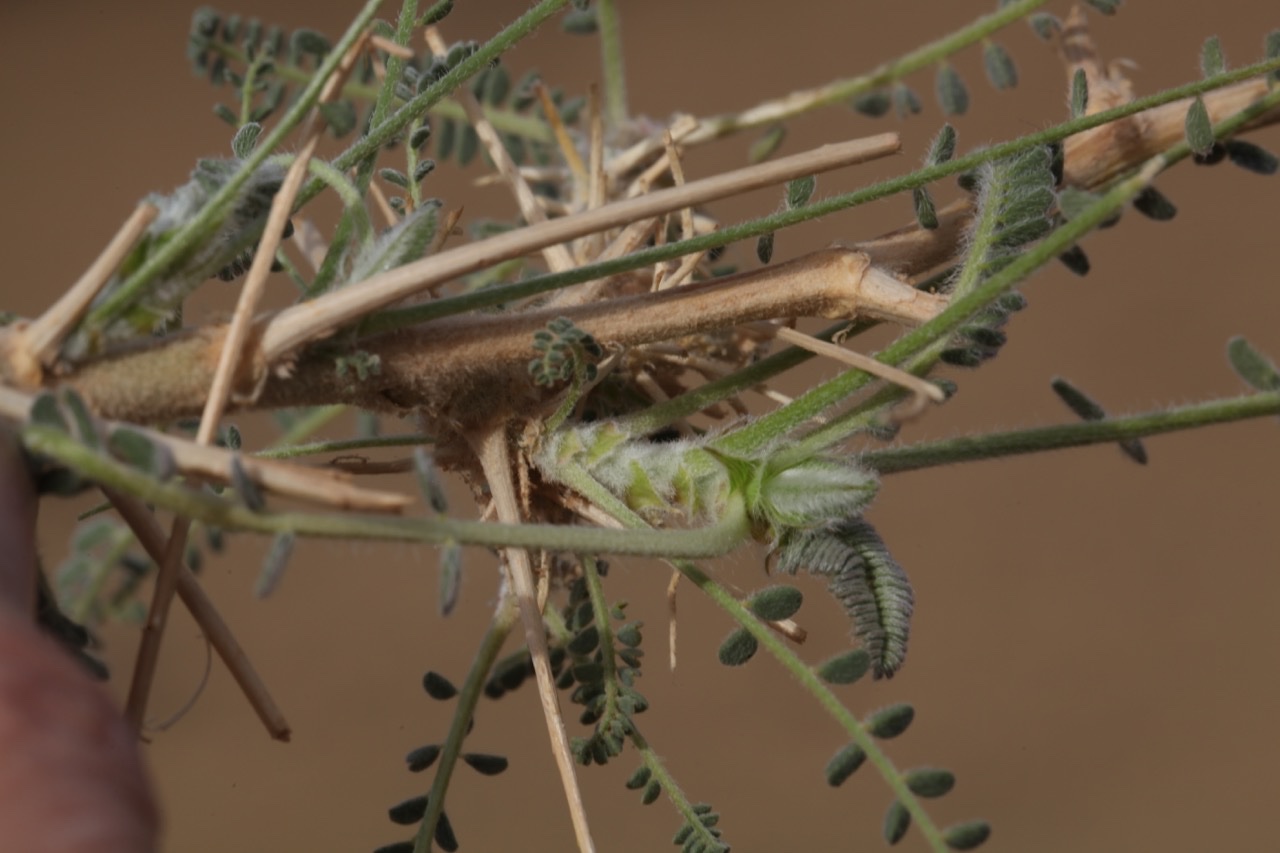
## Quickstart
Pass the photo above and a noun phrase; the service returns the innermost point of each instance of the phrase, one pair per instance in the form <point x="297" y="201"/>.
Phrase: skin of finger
<point x="71" y="778"/>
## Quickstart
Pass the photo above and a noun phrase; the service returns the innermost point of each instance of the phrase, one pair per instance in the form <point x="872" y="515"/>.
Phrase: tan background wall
<point x="1096" y="643"/>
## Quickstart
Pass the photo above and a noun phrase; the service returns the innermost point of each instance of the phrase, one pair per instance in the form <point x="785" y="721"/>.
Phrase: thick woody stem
<point x="454" y="365"/>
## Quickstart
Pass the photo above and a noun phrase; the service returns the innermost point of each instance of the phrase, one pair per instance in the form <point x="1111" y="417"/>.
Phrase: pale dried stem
<point x="35" y="347"/>
<point x="922" y="390"/>
<point x="233" y="345"/>
<point x="381" y="202"/>
<point x="673" y="586"/>
<point x="385" y="44"/>
<point x="206" y="616"/>
<point x="213" y="464"/>
<point x="495" y="460"/>
<point x="300" y="324"/>
<point x="556" y="256"/>
<point x="309" y="242"/>
<point x="567" y="149"/>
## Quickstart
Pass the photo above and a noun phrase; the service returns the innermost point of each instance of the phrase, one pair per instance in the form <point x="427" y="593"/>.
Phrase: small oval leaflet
<point x="873" y="104"/>
<point x="951" y="91"/>
<point x="776" y="602"/>
<point x="738" y="648"/>
<point x="967" y="836"/>
<point x="897" y="820"/>
<point x="1199" y="128"/>
<point x="891" y="721"/>
<point x="843" y="764"/>
<point x="639" y="778"/>
<point x="846" y="668"/>
<point x="487" y="765"/>
<point x="1251" y="158"/>
<point x="437" y="686"/>
<point x="422" y="757"/>
<point x="1252" y="366"/>
<point x="277" y="560"/>
<point x="408" y="812"/>
<point x="1001" y="71"/>
<point x="930" y="781"/>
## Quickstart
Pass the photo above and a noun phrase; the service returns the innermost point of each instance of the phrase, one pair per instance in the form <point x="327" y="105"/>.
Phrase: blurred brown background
<point x="1095" y="650"/>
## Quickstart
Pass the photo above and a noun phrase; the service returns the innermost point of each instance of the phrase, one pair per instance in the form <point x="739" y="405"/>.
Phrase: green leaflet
<point x="405" y="241"/>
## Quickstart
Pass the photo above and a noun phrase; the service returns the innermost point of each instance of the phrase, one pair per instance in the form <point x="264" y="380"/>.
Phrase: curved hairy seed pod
<point x="870" y="585"/>
<point x="657" y="480"/>
<point x="691" y="482"/>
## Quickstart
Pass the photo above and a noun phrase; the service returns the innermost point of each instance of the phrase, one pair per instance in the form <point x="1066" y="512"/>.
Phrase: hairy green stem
<point x="673" y="791"/>
<point x="710" y="541"/>
<point x="839" y="91"/>
<point x="400" y="318"/>
<point x="600" y="609"/>
<point x="810" y="681"/>
<point x="291" y="451"/>
<point x="302" y="428"/>
<point x="615" y="78"/>
<point x="203" y="224"/>
<point x="504" y="619"/>
<point x="913" y="457"/>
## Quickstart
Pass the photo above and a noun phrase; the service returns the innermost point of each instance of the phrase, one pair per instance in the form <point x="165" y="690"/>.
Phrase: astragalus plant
<point x="591" y="367"/>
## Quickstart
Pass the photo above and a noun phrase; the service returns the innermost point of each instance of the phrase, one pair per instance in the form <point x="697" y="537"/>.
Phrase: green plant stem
<point x="302" y="428"/>
<point x="386" y="321"/>
<point x="673" y="791"/>
<point x="809" y="680"/>
<point x="291" y="451"/>
<point x="608" y="663"/>
<point x="504" y="619"/>
<point x="710" y="541"/>
<point x="840" y="91"/>
<point x="206" y="221"/>
<point x="913" y="457"/>
<point x="616" y="113"/>
<point x="247" y="89"/>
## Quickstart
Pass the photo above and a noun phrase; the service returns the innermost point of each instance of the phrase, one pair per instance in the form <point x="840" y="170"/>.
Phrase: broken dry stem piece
<point x="495" y="460"/>
<point x="922" y="391"/>
<point x="35" y="347"/>
<point x="212" y="464"/>
<point x="205" y="614"/>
